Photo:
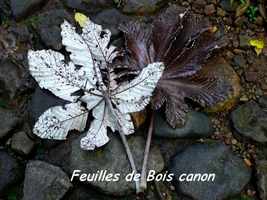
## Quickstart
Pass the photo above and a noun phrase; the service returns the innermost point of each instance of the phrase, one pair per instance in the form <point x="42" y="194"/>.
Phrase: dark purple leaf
<point x="184" y="43"/>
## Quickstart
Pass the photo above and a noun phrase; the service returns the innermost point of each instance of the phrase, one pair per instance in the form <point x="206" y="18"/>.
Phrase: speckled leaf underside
<point x="90" y="56"/>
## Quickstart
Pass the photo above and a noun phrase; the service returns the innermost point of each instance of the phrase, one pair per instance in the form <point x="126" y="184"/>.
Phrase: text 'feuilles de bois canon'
<point x="158" y="67"/>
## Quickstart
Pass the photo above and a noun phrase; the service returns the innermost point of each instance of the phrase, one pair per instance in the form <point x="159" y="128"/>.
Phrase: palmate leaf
<point x="98" y="40"/>
<point x="183" y="42"/>
<point x="127" y="98"/>
<point x="57" y="121"/>
<point x="52" y="73"/>
<point x="90" y="56"/>
<point x="80" y="52"/>
<point x="97" y="134"/>
<point x="133" y="97"/>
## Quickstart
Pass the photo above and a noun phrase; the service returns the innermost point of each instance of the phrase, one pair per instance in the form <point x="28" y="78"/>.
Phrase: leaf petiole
<point x="143" y="182"/>
<point x="124" y="142"/>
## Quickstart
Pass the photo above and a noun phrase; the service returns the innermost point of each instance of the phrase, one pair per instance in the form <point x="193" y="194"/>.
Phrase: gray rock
<point x="262" y="178"/>
<point x="40" y="101"/>
<point x="250" y="120"/>
<point x="89" y="6"/>
<point x="10" y="171"/>
<point x="47" y="153"/>
<point x="9" y="121"/>
<point x="170" y="146"/>
<point x="85" y="193"/>
<point x="142" y="6"/>
<point x="111" y="19"/>
<point x="231" y="173"/>
<point x="112" y="158"/>
<point x="12" y="80"/>
<point x="48" y="27"/>
<point x="197" y="125"/>
<point x="44" y="181"/>
<point x="22" y="8"/>
<point x="21" y="143"/>
<point x="75" y="4"/>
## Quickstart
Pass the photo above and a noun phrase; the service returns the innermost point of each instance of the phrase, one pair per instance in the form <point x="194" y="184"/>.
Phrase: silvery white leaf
<point x="134" y="96"/>
<point x="103" y="112"/>
<point x="92" y="99"/>
<point x="125" y="121"/>
<point x="113" y="120"/>
<point x="80" y="52"/>
<point x="93" y="140"/>
<point x="50" y="71"/>
<point x="98" y="68"/>
<point x="56" y="122"/>
<point x="100" y="110"/>
<point x="96" y="136"/>
<point x="98" y="40"/>
<point x="131" y="97"/>
<point x="91" y="57"/>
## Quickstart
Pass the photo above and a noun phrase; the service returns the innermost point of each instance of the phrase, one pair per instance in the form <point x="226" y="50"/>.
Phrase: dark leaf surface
<point x="184" y="42"/>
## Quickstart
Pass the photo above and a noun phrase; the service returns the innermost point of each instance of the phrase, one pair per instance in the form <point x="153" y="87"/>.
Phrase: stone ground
<point x="230" y="142"/>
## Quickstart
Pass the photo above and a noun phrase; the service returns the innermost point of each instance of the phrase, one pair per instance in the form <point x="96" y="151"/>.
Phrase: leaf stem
<point x="130" y="158"/>
<point x="124" y="142"/>
<point x="143" y="182"/>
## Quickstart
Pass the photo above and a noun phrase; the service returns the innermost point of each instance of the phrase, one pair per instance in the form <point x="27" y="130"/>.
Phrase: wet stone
<point x="13" y="80"/>
<point x="21" y="143"/>
<point x="22" y="8"/>
<point x="44" y="181"/>
<point x="48" y="27"/>
<point x="10" y="171"/>
<point x="231" y="174"/>
<point x="113" y="159"/>
<point x="142" y="6"/>
<point x="250" y="120"/>
<point x="9" y="121"/>
<point x="197" y="125"/>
